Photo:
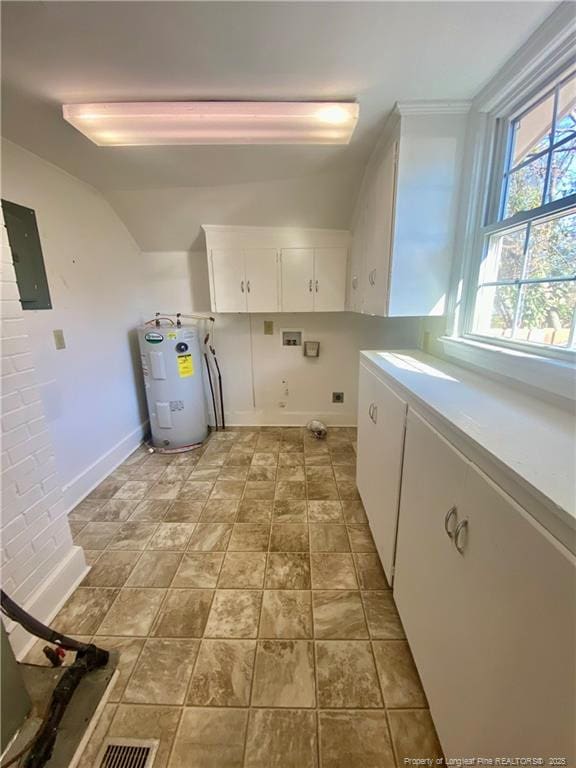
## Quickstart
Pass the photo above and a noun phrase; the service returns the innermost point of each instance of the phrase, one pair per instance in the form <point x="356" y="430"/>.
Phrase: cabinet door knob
<point x="370" y="409"/>
<point x="373" y="277"/>
<point x="242" y="286"/>
<point x="310" y="286"/>
<point x="375" y="414"/>
<point x="461" y="527"/>
<point x="452" y="512"/>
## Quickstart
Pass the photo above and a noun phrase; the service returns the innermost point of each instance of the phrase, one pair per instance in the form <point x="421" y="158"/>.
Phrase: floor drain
<point x="127" y="753"/>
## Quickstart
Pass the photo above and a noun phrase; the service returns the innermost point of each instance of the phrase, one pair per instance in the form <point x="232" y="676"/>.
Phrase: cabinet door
<point x="427" y="581"/>
<point x="355" y="273"/>
<point x="514" y="636"/>
<point x="261" y="279"/>
<point x="228" y="280"/>
<point x="381" y="425"/>
<point x="330" y="279"/>
<point x="297" y="279"/>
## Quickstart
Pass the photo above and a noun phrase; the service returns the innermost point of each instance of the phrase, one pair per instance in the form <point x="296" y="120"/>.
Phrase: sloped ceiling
<point x="374" y="52"/>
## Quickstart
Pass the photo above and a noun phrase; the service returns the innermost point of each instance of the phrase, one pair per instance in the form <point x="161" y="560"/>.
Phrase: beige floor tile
<point x="204" y="473"/>
<point x="183" y="613"/>
<point x="176" y="473"/>
<point x="223" y="674"/>
<point x="401" y="686"/>
<point x="281" y="738"/>
<point x="129" y="649"/>
<point x="413" y="734"/>
<point x="184" y="512"/>
<point x="291" y="473"/>
<point x="212" y="460"/>
<point x="347" y="490"/>
<point x="290" y="458"/>
<point x="289" y="537"/>
<point x="133" y="612"/>
<point x="382" y="616"/>
<point x="106" y="489"/>
<point x="133" y="536"/>
<point x="286" y="614"/>
<point x="354" y="740"/>
<point x="288" y="570"/>
<point x="259" y="489"/>
<point x="262" y="474"/>
<point x="290" y="489"/>
<point x="234" y="613"/>
<point x="219" y="511"/>
<point x="322" y="490"/>
<point x="148" y="511"/>
<point x="344" y="472"/>
<point x="111" y="570"/>
<point x="133" y="489"/>
<point x="284" y="674"/>
<point x="198" y="570"/>
<point x="195" y="490"/>
<point x="164" y="491"/>
<point x="346" y="674"/>
<point x="322" y="473"/>
<point x="162" y="672"/>
<point x="370" y="572"/>
<point x="333" y="571"/>
<point x="97" y="535"/>
<point x="317" y="459"/>
<point x="115" y="511"/>
<point x="92" y="555"/>
<point x="249" y="537"/>
<point x="238" y="459"/>
<point x="233" y="473"/>
<point x="84" y="611"/>
<point x="171" y="536"/>
<point x="328" y="537"/>
<point x="343" y="455"/>
<point x="338" y="615"/>
<point x="255" y="511"/>
<point x="154" y="569"/>
<point x="353" y="512"/>
<point x="361" y="538"/>
<point x="243" y="570"/>
<point x="210" y="537"/>
<point x="150" y="474"/>
<point x="228" y="489"/>
<point x="290" y="512"/>
<point x="210" y="738"/>
<point x="76" y="527"/>
<point x="85" y="511"/>
<point x="325" y="512"/>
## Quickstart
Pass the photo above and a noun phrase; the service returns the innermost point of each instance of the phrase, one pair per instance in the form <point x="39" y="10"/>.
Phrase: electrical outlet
<point x="337" y="397"/>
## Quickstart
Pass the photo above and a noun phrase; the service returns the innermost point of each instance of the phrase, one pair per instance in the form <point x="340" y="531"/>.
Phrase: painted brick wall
<point x="35" y="534"/>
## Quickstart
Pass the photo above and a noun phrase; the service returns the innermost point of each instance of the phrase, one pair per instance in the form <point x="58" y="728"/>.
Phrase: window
<point x="27" y="256"/>
<point x="525" y="291"/>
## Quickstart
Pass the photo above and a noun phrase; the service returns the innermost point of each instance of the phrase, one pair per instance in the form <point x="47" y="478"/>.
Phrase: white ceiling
<point x="375" y="52"/>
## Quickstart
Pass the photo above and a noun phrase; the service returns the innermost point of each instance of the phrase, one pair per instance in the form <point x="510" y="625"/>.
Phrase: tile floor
<point x="241" y="585"/>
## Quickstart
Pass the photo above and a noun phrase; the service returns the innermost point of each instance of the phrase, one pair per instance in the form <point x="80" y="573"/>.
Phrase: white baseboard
<point x="279" y="418"/>
<point x="78" y="488"/>
<point x="47" y="600"/>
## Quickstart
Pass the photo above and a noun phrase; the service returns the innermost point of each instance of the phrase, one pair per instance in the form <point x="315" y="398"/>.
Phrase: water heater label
<point x="154" y="338"/>
<point x="172" y="336"/>
<point x="185" y="366"/>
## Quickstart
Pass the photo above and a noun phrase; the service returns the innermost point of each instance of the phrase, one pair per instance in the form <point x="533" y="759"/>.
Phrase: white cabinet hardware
<point x="451" y="514"/>
<point x="461" y="531"/>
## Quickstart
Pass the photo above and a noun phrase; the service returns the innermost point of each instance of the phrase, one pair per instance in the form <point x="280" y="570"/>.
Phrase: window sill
<point x="551" y="377"/>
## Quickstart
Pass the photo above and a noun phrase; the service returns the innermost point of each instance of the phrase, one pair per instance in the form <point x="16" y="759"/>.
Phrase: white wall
<point x="90" y="390"/>
<point x="255" y="366"/>
<point x="40" y="565"/>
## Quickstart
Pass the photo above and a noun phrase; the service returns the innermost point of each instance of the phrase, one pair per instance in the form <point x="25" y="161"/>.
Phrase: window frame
<point x="498" y="144"/>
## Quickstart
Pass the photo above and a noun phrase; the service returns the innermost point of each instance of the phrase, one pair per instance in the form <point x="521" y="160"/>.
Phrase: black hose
<point x="211" y="390"/>
<point x="219" y="386"/>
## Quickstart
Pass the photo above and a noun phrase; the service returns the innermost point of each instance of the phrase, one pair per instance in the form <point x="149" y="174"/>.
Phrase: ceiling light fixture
<point x="159" y="123"/>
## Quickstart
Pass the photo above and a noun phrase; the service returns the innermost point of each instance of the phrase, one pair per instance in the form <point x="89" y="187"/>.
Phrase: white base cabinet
<point x="381" y="424"/>
<point x="488" y="602"/>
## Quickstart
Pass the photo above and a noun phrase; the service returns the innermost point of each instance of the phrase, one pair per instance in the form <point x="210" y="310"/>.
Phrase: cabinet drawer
<point x="381" y="424"/>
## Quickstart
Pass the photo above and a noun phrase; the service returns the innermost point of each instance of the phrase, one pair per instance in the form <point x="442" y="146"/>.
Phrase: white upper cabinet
<point x="405" y="219"/>
<point x="275" y="269"/>
<point x="313" y="279"/>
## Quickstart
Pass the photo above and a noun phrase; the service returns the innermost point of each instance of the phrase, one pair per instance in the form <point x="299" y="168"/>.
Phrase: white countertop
<point x="527" y="445"/>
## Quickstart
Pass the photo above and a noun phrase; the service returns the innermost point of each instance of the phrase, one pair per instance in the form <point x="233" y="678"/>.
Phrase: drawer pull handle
<point x="316" y="286"/>
<point x="248" y="286"/>
<point x="242" y="286"/>
<point x="370" y="409"/>
<point x="462" y="526"/>
<point x="375" y="414"/>
<point x="447" y="527"/>
<point x="310" y="286"/>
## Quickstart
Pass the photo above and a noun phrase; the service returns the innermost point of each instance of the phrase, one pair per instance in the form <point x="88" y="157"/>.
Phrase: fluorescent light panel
<point x="213" y="122"/>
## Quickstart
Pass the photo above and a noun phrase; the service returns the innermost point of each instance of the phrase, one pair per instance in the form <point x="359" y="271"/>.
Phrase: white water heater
<point x="172" y="369"/>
